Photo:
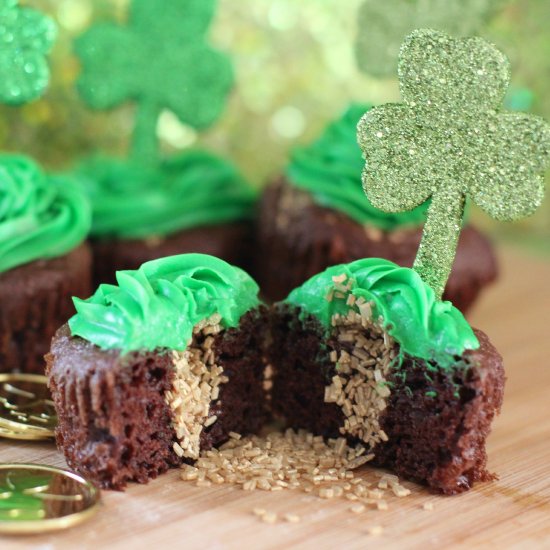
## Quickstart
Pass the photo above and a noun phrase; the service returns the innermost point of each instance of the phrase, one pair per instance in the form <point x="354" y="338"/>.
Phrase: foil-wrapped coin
<point x="38" y="499"/>
<point x="26" y="407"/>
<point x="10" y="433"/>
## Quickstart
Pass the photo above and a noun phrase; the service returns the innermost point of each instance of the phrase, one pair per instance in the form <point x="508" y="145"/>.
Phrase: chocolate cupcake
<point x="44" y="261"/>
<point x="317" y="215"/>
<point x="365" y="351"/>
<point x="148" y="206"/>
<point x="158" y="368"/>
<point x="195" y="202"/>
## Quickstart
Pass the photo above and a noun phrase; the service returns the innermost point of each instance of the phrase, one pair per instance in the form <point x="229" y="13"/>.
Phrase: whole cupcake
<point x="44" y="261"/>
<point x="146" y="206"/>
<point x="194" y="202"/>
<point x="316" y="215"/>
<point x="44" y="220"/>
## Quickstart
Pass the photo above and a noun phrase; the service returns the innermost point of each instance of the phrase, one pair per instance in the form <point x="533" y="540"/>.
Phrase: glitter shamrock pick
<point x="26" y="37"/>
<point x="160" y="60"/>
<point x="449" y="140"/>
<point x="383" y="24"/>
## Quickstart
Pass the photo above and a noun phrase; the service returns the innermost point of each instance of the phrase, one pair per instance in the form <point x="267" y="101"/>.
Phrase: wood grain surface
<point x="513" y="512"/>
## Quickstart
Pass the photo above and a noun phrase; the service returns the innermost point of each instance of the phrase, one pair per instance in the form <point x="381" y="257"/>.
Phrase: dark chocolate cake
<point x="317" y="215"/>
<point x="129" y="414"/>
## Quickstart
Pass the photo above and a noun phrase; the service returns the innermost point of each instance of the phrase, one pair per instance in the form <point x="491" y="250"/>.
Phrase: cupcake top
<point x="330" y="170"/>
<point x="159" y="304"/>
<point x="133" y="201"/>
<point x="405" y="306"/>
<point x="41" y="216"/>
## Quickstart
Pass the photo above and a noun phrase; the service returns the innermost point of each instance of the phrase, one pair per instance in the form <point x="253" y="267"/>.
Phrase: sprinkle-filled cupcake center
<point x="196" y="385"/>
<point x="363" y="354"/>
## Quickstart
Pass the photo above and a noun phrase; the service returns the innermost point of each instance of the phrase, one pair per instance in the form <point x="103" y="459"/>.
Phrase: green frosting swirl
<point x="157" y="305"/>
<point x="132" y="201"/>
<point x="423" y="326"/>
<point x="41" y="216"/>
<point x="330" y="169"/>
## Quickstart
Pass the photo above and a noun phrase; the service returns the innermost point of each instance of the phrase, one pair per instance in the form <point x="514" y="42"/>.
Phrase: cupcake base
<point x="230" y="242"/>
<point x="435" y="420"/>
<point x="36" y="300"/>
<point x="119" y="415"/>
<point x="298" y="239"/>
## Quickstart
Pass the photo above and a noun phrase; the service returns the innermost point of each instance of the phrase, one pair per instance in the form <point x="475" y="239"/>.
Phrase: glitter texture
<point x="26" y="36"/>
<point x="160" y="60"/>
<point x="383" y="24"/>
<point x="448" y="140"/>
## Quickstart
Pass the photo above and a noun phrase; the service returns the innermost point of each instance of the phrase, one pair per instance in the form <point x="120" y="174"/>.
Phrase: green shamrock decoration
<point x="160" y="60"/>
<point x="26" y="37"/>
<point x="383" y="24"/>
<point x="448" y="140"/>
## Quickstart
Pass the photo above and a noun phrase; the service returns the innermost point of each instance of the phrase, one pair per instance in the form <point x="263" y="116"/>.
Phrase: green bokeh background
<point x="295" y="71"/>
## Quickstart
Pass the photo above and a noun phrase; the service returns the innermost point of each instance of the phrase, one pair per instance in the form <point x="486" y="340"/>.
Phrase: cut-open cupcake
<point x="153" y="370"/>
<point x="365" y="351"/>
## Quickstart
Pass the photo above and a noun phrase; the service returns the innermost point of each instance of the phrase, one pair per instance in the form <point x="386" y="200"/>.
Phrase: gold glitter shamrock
<point x="383" y="24"/>
<point x="160" y="60"/>
<point x="26" y="37"/>
<point x="448" y="140"/>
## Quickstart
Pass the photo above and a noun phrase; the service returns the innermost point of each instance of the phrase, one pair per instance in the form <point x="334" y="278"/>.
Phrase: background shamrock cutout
<point x="160" y="60"/>
<point x="383" y="25"/>
<point x="449" y="140"/>
<point x="26" y="37"/>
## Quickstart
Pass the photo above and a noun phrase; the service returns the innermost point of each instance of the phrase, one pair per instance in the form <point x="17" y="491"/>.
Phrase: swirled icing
<point x="41" y="216"/>
<point x="423" y="326"/>
<point x="132" y="201"/>
<point x="157" y="305"/>
<point x="330" y="169"/>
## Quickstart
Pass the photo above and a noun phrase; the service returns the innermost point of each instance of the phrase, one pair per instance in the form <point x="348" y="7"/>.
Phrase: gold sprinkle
<point x="292" y="518"/>
<point x="269" y="517"/>
<point x="375" y="530"/>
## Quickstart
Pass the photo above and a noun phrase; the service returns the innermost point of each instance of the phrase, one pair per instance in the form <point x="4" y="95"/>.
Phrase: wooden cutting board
<point x="514" y="511"/>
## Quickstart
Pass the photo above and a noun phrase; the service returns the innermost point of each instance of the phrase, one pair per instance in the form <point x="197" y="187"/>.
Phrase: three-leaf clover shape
<point x="160" y="60"/>
<point x="383" y="24"/>
<point x="26" y="37"/>
<point x="449" y="140"/>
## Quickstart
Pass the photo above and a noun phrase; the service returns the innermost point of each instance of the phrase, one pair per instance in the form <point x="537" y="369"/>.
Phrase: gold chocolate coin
<point x="39" y="499"/>
<point x="26" y="407"/>
<point x="10" y="433"/>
